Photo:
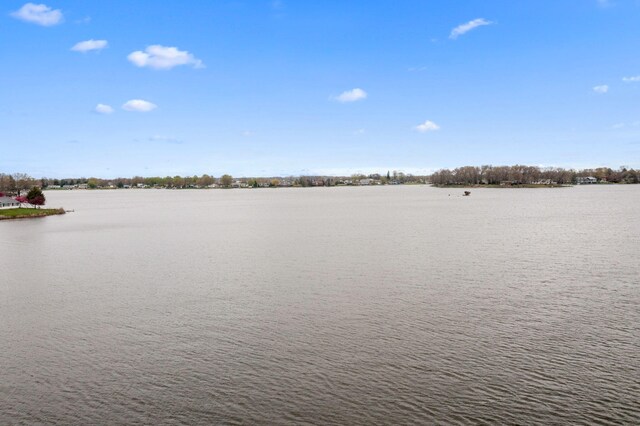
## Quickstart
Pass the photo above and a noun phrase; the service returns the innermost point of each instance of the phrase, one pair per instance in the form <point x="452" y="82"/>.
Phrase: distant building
<point x="586" y="180"/>
<point x="239" y="184"/>
<point x="366" y="181"/>
<point x="8" y="203"/>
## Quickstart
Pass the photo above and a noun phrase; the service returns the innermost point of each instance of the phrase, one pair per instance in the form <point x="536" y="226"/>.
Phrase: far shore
<point x="527" y="185"/>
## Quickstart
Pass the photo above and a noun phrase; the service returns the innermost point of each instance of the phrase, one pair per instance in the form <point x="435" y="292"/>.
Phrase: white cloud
<point x="359" y="132"/>
<point x="623" y="125"/>
<point x="103" y="109"/>
<point x="40" y="14"/>
<point x="85" y="46"/>
<point x="465" y="28"/>
<point x="247" y="133"/>
<point x="427" y="126"/>
<point x="352" y="95"/>
<point x="634" y="79"/>
<point x="602" y="89"/>
<point x="604" y="3"/>
<point x="139" y="105"/>
<point x="165" y="139"/>
<point x="163" y="58"/>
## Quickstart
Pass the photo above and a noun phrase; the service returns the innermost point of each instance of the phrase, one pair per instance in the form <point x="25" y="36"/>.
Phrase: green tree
<point x="36" y="197"/>
<point x="205" y="180"/>
<point x="93" y="183"/>
<point x="226" y="181"/>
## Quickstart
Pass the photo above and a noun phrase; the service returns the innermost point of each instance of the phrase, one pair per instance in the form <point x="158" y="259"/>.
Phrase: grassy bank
<point x="23" y="213"/>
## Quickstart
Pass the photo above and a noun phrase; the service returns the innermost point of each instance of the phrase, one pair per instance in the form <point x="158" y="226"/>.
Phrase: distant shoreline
<point x="526" y="185"/>
<point x="433" y="185"/>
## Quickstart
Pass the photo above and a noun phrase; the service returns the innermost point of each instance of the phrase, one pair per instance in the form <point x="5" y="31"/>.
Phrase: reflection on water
<point x="343" y="305"/>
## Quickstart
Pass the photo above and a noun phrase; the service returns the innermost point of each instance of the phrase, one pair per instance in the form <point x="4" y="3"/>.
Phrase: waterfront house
<point x="589" y="180"/>
<point x="8" y="203"/>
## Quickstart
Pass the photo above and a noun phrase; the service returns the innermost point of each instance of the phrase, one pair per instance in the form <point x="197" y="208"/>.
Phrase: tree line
<point x="523" y="175"/>
<point x="18" y="182"/>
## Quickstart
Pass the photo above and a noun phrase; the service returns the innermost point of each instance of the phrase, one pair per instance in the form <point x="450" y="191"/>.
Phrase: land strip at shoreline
<point x="27" y="213"/>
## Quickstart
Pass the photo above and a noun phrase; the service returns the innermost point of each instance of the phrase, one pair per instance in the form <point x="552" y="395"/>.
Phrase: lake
<point x="353" y="305"/>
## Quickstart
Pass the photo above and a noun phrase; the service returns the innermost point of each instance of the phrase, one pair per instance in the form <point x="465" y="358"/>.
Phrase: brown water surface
<point x="388" y="305"/>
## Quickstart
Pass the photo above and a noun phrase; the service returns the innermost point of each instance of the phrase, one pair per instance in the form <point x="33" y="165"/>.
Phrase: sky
<point x="334" y="87"/>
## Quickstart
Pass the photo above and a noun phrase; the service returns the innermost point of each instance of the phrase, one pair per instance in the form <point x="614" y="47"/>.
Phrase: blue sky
<point x="261" y="88"/>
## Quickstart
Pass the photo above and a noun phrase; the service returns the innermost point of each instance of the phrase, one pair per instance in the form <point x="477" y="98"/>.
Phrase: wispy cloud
<point x="427" y="126"/>
<point x="165" y="139"/>
<point x="359" y="132"/>
<point x="103" y="109"/>
<point x="88" y="45"/>
<point x="465" y="28"/>
<point x="634" y="79"/>
<point x="604" y="3"/>
<point x="39" y="14"/>
<point x="163" y="58"/>
<point x="139" y="105"/>
<point x="623" y="125"/>
<point x="602" y="89"/>
<point x="351" y="95"/>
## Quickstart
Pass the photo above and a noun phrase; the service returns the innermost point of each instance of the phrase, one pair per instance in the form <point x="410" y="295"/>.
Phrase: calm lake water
<point x="372" y="305"/>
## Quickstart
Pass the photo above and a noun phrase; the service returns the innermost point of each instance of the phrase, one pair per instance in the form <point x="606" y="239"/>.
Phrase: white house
<point x="8" y="203"/>
<point x="586" y="180"/>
